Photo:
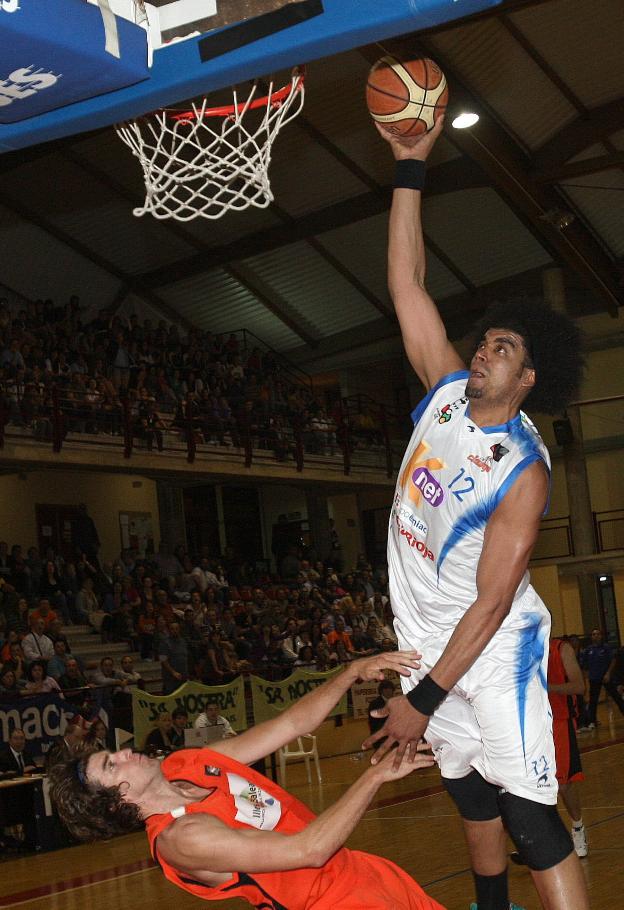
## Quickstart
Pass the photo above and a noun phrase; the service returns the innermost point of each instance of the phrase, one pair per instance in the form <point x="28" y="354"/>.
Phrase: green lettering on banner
<point x="193" y="697"/>
<point x="271" y="698"/>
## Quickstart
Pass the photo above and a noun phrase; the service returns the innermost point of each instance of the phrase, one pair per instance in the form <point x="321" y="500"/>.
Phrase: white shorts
<point x="497" y="720"/>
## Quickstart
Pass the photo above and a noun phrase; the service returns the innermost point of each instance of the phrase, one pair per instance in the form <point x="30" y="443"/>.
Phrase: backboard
<point x="239" y="40"/>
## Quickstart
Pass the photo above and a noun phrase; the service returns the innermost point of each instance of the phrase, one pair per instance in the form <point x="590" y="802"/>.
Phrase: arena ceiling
<point x="307" y="275"/>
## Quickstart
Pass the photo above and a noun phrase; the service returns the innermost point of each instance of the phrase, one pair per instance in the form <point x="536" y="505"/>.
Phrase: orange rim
<point x="228" y="110"/>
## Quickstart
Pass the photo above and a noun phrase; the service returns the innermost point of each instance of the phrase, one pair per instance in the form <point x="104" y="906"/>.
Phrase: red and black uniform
<point x="242" y="798"/>
<point x="567" y="755"/>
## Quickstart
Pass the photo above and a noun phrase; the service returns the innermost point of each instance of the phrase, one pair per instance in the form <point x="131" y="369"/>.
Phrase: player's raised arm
<point x="310" y="711"/>
<point x="424" y="336"/>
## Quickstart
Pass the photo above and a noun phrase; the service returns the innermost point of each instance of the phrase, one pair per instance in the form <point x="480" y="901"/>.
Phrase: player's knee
<point x="537" y="831"/>
<point x="475" y="798"/>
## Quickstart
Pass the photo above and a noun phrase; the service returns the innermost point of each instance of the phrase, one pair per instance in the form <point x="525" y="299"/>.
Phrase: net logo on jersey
<point x="417" y="480"/>
<point x="9" y="6"/>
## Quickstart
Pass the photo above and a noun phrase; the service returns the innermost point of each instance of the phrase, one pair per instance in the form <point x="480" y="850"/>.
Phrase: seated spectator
<point x="305" y="658"/>
<point x="146" y="627"/>
<point x="159" y="740"/>
<point x="37" y="644"/>
<point x="211" y="718"/>
<point x="73" y="677"/>
<point x="57" y="663"/>
<point x="9" y="689"/>
<point x="175" y="659"/>
<point x="340" y="636"/>
<point x="98" y="618"/>
<point x="16" y="662"/>
<point x="12" y="638"/>
<point x="107" y="682"/>
<point x="38" y="681"/>
<point x="45" y="612"/>
<point x="179" y="723"/>
<point x="128" y="672"/>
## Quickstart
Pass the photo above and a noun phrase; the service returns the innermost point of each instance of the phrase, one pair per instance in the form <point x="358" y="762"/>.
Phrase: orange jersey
<point x="244" y="799"/>
<point x="560" y="704"/>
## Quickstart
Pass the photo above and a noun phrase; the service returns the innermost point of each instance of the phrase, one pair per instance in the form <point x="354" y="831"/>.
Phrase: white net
<point x="204" y="162"/>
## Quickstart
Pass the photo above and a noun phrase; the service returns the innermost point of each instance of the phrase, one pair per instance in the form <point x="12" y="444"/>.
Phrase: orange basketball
<point x="406" y="97"/>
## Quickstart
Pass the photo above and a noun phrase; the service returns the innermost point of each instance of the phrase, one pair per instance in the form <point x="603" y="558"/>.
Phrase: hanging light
<point x="464" y="120"/>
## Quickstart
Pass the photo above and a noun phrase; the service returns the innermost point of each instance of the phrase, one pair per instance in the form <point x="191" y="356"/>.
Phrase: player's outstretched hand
<point x="404" y="727"/>
<point x="417" y="147"/>
<point x="370" y="668"/>
<point x="387" y="766"/>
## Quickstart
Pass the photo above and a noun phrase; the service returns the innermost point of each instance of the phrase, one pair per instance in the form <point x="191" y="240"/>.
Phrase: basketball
<point x="406" y="97"/>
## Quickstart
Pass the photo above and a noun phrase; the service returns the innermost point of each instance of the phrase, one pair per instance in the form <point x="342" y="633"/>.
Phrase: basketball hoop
<point x="206" y="161"/>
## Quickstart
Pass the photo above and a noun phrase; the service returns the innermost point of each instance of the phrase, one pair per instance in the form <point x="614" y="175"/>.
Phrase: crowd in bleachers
<point x="202" y="618"/>
<point x="111" y="373"/>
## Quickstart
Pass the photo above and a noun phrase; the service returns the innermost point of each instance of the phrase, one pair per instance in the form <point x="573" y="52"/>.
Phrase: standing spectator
<point x="174" y="657"/>
<point x="85" y="537"/>
<point x="50" y="589"/>
<point x="598" y="661"/>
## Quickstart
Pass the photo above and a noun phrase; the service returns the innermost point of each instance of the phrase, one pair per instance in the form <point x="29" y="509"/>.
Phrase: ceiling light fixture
<point x="464" y="120"/>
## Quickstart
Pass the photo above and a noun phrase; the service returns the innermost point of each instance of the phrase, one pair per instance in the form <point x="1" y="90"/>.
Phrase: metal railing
<point x="56" y="413"/>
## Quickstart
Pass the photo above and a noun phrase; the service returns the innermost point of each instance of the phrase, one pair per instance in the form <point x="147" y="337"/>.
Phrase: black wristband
<point x="426" y="696"/>
<point x="410" y="174"/>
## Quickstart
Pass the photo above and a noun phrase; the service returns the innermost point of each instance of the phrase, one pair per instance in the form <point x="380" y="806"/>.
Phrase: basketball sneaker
<point x="579" y="837"/>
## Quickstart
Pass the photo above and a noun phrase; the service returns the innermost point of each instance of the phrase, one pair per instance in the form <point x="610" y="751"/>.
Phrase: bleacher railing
<point x="359" y="433"/>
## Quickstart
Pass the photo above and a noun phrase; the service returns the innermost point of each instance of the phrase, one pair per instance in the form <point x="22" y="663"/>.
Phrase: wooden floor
<point x="412" y="823"/>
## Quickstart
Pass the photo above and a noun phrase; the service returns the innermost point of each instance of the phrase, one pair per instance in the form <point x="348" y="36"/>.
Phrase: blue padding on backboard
<point x="53" y="53"/>
<point x="178" y="72"/>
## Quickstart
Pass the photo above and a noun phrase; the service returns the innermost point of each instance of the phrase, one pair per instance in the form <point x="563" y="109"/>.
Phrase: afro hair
<point x="555" y="349"/>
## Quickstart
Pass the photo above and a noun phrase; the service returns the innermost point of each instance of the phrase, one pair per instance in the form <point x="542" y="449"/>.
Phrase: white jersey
<point x="453" y="476"/>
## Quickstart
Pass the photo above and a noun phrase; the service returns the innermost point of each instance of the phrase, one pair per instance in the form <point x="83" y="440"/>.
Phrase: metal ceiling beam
<point x="273" y="302"/>
<point x="575" y="137"/>
<point x="509" y="169"/>
<point x="90" y="255"/>
<point x="321" y="139"/>
<point x="580" y="168"/>
<point x="447" y="177"/>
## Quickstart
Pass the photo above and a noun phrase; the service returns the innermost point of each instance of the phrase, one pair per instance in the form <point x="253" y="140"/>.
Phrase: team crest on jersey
<point x="212" y="771"/>
<point x="498" y="451"/>
<point x="444" y="414"/>
<point x="417" y="480"/>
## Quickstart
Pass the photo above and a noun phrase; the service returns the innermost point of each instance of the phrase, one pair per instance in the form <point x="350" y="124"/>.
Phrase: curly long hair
<point x="554" y="346"/>
<point x="89" y="811"/>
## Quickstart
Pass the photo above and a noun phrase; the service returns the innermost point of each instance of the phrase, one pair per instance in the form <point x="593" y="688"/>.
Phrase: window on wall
<point x="608" y="607"/>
